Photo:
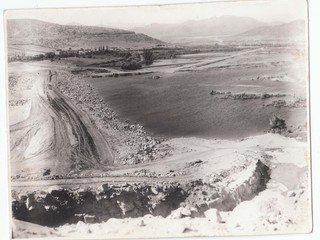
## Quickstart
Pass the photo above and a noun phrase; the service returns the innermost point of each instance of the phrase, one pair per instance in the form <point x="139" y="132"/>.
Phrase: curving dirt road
<point x="57" y="136"/>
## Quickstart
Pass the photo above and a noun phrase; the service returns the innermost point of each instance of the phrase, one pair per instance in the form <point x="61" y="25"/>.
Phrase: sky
<point x="136" y="16"/>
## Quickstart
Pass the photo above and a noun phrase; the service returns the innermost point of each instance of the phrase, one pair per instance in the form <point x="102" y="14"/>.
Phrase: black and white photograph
<point x="159" y="121"/>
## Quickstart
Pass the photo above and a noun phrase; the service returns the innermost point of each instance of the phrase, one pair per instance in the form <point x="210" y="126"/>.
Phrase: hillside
<point x="215" y="26"/>
<point x="295" y="30"/>
<point x="50" y="35"/>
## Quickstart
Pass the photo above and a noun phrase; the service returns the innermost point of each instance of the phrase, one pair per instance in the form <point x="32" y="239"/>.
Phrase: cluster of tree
<point x="38" y="57"/>
<point x="114" y="52"/>
<point x="131" y="65"/>
<point x="148" y="56"/>
<point x="47" y="56"/>
<point x="102" y="49"/>
<point x="51" y="55"/>
<point x="132" y="60"/>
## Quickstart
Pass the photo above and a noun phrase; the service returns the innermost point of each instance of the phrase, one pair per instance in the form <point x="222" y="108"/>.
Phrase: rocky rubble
<point x="58" y="205"/>
<point x="297" y="103"/>
<point x="280" y="214"/>
<point x="18" y="84"/>
<point x="144" y="173"/>
<point x="226" y="189"/>
<point x="25" y="81"/>
<point x="130" y="142"/>
<point x="18" y="102"/>
<point x="196" y="163"/>
<point x="171" y="173"/>
<point x="221" y="192"/>
<point x="245" y="96"/>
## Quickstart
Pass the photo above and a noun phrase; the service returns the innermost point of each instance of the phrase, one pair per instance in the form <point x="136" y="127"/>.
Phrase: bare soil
<point x="77" y="170"/>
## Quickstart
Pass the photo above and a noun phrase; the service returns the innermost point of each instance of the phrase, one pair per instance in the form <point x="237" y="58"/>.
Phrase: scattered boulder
<point x="104" y="187"/>
<point x="79" y="217"/>
<point x="19" y="209"/>
<point x="213" y="215"/>
<point x="89" y="219"/>
<point x="54" y="189"/>
<point x="194" y="163"/>
<point x="181" y="213"/>
<point x="23" y="197"/>
<point x="141" y="223"/>
<point x="81" y="227"/>
<point x="176" y="214"/>
<point x="202" y="207"/>
<point x="50" y="200"/>
<point x="186" y="212"/>
<point x="186" y="230"/>
<point x="126" y="207"/>
<point x="46" y="172"/>
<point x="30" y="200"/>
<point x="154" y="190"/>
<point x="291" y="194"/>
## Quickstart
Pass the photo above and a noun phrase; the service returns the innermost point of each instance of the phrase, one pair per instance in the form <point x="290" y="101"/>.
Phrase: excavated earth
<point x="95" y="176"/>
<point x="60" y="205"/>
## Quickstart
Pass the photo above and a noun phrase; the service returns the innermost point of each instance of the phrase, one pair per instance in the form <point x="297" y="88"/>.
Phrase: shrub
<point x="133" y="65"/>
<point x="265" y="95"/>
<point x="277" y="125"/>
<point x="148" y="56"/>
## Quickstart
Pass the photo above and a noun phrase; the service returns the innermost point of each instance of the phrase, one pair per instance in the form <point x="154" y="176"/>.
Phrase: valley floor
<point x="67" y="144"/>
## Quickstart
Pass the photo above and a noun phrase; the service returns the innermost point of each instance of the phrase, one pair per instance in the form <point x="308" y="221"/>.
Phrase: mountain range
<point x="223" y="27"/>
<point x="295" y="30"/>
<point x="51" y="35"/>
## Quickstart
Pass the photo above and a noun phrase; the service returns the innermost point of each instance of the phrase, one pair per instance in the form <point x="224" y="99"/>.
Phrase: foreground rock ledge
<point x="58" y="205"/>
<point x="266" y="194"/>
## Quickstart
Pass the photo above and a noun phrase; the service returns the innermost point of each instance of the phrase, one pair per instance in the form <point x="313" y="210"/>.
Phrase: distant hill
<point x="295" y="30"/>
<point x="215" y="26"/>
<point x="74" y="24"/>
<point x="51" y="35"/>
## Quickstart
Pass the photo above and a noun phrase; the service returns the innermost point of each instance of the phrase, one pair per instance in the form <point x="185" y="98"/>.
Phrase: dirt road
<point x="209" y="62"/>
<point x="92" y="182"/>
<point x="57" y="137"/>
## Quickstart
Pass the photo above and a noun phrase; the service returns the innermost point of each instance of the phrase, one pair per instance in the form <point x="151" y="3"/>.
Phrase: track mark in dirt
<point x="57" y="135"/>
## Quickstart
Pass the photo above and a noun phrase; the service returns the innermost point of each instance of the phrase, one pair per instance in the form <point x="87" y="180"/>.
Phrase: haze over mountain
<point x="216" y="29"/>
<point x="213" y="27"/>
<point x="51" y="35"/>
<point x="294" y="30"/>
